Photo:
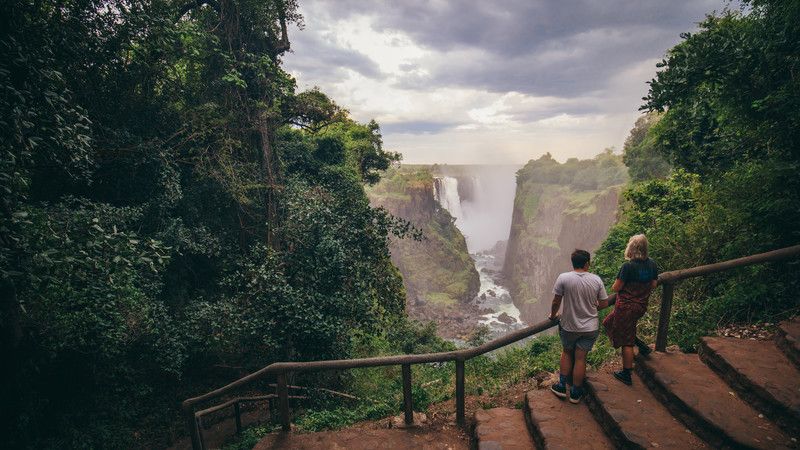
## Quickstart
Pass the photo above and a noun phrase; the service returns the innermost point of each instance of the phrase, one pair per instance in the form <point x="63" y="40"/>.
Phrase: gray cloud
<point x="543" y="47"/>
<point x="321" y="61"/>
<point x="416" y="127"/>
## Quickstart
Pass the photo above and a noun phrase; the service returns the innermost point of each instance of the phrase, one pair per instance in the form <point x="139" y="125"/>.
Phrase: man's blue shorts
<point x="583" y="340"/>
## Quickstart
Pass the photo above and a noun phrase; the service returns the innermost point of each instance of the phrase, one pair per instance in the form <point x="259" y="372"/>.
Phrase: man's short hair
<point x="579" y="258"/>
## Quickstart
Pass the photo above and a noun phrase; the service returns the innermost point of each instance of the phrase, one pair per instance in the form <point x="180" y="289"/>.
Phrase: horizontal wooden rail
<point x="668" y="279"/>
<point x="280" y="369"/>
<point x="772" y="256"/>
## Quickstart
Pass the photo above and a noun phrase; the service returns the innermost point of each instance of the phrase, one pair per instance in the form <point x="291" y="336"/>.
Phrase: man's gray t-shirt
<point x="581" y="292"/>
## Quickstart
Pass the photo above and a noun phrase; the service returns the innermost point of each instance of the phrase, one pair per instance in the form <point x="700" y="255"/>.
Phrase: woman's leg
<point x="627" y="357"/>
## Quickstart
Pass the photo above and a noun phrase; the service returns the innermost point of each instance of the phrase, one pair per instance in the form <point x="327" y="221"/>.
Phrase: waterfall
<point x="445" y="191"/>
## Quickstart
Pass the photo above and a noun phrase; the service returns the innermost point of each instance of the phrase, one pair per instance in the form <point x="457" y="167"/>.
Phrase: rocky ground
<point x="757" y="332"/>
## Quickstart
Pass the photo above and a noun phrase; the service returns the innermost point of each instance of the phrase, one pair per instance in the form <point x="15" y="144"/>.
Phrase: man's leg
<point x="579" y="367"/>
<point x="578" y="374"/>
<point x="566" y="362"/>
<point x="565" y="369"/>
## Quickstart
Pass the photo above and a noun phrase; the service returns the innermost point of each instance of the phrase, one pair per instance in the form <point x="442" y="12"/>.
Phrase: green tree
<point x="171" y="204"/>
<point x="727" y="97"/>
<point x="640" y="154"/>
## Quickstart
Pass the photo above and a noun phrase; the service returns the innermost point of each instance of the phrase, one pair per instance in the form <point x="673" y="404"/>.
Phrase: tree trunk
<point x="270" y="171"/>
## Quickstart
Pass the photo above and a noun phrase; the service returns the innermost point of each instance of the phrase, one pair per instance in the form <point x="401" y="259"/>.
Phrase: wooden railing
<point x="280" y="369"/>
<point x="667" y="280"/>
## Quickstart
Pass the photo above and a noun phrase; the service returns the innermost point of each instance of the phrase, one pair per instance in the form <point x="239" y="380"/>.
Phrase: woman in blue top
<point x="636" y="280"/>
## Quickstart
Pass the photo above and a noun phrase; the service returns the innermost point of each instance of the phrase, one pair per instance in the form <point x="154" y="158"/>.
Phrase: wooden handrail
<point x="668" y="279"/>
<point x="280" y="369"/>
<point x="771" y="256"/>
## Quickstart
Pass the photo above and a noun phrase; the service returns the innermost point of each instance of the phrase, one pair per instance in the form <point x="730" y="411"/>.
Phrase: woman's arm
<point x="617" y="286"/>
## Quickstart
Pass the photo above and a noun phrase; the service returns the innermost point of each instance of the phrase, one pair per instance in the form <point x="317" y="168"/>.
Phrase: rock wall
<point x="549" y="221"/>
<point x="438" y="273"/>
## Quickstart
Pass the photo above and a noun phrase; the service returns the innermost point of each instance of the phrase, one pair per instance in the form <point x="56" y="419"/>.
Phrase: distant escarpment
<point x="438" y="273"/>
<point x="557" y="208"/>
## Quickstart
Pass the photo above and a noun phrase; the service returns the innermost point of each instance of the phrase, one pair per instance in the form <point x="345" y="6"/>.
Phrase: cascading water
<point x="485" y="219"/>
<point x="445" y="191"/>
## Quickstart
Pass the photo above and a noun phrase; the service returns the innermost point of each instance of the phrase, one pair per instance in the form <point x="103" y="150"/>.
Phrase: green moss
<point x="545" y="242"/>
<point x="457" y="288"/>
<point x="441" y="299"/>
<point x="378" y="196"/>
<point x="530" y="206"/>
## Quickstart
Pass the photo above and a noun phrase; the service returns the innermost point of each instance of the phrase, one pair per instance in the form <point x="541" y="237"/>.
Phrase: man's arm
<point x="555" y="307"/>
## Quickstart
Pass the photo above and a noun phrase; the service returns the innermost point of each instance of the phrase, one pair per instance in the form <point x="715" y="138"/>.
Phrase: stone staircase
<point x="735" y="393"/>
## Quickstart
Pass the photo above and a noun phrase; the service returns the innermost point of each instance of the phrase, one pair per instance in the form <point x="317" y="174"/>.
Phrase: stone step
<point x="760" y="373"/>
<point x="559" y="424"/>
<point x="634" y="418"/>
<point x="788" y="339"/>
<point x="706" y="404"/>
<point x="502" y="429"/>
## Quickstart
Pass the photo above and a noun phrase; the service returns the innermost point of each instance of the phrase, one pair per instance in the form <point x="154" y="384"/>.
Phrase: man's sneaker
<point x="576" y="393"/>
<point x="624" y="376"/>
<point x="560" y="389"/>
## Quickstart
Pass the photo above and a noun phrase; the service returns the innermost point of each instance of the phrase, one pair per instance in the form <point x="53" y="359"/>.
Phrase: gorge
<point x="495" y="236"/>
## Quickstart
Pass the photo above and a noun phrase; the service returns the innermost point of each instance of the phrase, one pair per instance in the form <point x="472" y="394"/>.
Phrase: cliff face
<point x="438" y="272"/>
<point x="552" y="217"/>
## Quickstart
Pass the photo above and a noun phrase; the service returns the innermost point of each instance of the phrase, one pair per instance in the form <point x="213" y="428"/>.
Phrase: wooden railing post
<point x="283" y="401"/>
<point x="663" y="317"/>
<point x="460" y="392"/>
<point x="192" y="427"/>
<point x="408" y="404"/>
<point x="238" y="412"/>
<point x="199" y="421"/>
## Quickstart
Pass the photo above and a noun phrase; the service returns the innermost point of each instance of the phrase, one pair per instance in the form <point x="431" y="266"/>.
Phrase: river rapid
<point x="494" y="300"/>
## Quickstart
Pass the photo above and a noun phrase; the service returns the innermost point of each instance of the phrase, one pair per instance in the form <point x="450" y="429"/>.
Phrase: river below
<point x="494" y="300"/>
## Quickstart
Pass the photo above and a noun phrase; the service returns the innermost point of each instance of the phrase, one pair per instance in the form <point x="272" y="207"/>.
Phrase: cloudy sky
<point x="457" y="81"/>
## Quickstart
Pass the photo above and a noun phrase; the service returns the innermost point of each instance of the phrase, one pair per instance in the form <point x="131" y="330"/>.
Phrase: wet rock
<point x="491" y="293"/>
<point x="506" y="319"/>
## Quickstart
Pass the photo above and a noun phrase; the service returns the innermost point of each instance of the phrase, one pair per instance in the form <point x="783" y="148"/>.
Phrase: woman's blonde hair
<point x="637" y="247"/>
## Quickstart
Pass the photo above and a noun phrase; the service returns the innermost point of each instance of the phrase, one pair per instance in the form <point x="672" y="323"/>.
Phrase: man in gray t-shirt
<point x="582" y="294"/>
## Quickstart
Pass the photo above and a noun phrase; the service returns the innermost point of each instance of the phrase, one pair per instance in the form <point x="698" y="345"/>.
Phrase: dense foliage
<point x="728" y="97"/>
<point x="170" y="205"/>
<point x="602" y="171"/>
<point x="640" y="154"/>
